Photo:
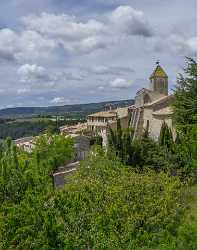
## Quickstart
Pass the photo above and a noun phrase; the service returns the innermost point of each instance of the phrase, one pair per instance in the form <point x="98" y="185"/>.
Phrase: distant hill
<point x="80" y="110"/>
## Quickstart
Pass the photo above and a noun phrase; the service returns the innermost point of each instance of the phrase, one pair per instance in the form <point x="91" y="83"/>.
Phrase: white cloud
<point x="25" y="45"/>
<point x="110" y="70"/>
<point x="43" y="33"/>
<point x="85" y="37"/>
<point x="32" y="73"/>
<point x="34" y="45"/>
<point x="192" y="44"/>
<point x="63" y="26"/>
<point x="8" y="44"/>
<point x="130" y="21"/>
<point x="181" y="45"/>
<point x="120" y="83"/>
<point x="101" y="88"/>
<point x="23" y="91"/>
<point x="69" y="32"/>
<point x="58" y="100"/>
<point x="29" y="73"/>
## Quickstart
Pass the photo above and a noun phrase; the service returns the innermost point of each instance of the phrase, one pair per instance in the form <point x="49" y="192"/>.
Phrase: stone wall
<point x="155" y="122"/>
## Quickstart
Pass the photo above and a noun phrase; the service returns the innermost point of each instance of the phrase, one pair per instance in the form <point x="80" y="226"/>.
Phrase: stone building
<point x="26" y="143"/>
<point x="98" y="122"/>
<point x="152" y="106"/>
<point x="73" y="129"/>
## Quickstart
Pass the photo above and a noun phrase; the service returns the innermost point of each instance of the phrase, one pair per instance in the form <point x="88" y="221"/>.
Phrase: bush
<point x="110" y="207"/>
<point x="104" y="206"/>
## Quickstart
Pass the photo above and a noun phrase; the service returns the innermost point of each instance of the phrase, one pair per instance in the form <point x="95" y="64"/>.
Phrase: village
<point x="150" y="110"/>
<point x="98" y="125"/>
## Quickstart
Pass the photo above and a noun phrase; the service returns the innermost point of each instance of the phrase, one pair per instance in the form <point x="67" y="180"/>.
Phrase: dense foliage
<point x="32" y="127"/>
<point x="104" y="206"/>
<point x="21" y="129"/>
<point x="177" y="156"/>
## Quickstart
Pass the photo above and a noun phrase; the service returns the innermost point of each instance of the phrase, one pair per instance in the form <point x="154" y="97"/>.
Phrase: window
<point x="147" y="125"/>
<point x="147" y="99"/>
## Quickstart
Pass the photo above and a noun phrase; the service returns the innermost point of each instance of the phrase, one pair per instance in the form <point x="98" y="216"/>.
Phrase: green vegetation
<point x="105" y="206"/>
<point x="32" y="126"/>
<point x="185" y="104"/>
<point x="22" y="129"/>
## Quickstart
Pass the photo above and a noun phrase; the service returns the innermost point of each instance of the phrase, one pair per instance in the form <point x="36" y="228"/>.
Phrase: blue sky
<point x="56" y="52"/>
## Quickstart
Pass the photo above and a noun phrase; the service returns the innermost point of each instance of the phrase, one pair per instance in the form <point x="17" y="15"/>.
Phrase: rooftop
<point x="164" y="111"/>
<point x="74" y="127"/>
<point x="158" y="72"/>
<point x="160" y="100"/>
<point x="104" y="114"/>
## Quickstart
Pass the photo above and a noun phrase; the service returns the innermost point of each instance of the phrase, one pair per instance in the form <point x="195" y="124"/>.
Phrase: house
<point x="74" y="129"/>
<point x="27" y="143"/>
<point x="98" y="122"/>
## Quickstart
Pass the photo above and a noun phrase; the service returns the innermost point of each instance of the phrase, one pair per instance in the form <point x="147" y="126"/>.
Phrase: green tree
<point x="185" y="103"/>
<point x="120" y="142"/>
<point x="185" y="118"/>
<point x="166" y="138"/>
<point x="55" y="149"/>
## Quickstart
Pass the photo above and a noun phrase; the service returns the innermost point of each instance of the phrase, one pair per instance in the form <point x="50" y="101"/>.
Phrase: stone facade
<point x="98" y="123"/>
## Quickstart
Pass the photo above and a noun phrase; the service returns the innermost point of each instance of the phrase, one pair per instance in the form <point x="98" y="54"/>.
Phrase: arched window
<point x="161" y="87"/>
<point x="147" y="99"/>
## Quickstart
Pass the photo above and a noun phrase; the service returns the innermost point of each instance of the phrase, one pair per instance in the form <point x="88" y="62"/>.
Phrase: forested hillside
<point x="32" y="127"/>
<point x="73" y="111"/>
<point x="21" y="122"/>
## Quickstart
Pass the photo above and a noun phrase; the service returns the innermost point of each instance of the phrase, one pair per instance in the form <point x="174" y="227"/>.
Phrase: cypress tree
<point x="166" y="138"/>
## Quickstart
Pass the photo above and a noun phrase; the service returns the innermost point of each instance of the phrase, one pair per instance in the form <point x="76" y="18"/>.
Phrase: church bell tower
<point x="159" y="80"/>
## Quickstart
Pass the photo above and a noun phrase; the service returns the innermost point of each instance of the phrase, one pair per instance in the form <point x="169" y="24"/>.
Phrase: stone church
<point x="152" y="106"/>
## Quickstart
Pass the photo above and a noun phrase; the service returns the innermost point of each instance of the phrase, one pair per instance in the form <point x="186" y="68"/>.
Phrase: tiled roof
<point x="104" y="114"/>
<point x="160" y="100"/>
<point x="77" y="126"/>
<point x="158" y="72"/>
<point x="164" y="111"/>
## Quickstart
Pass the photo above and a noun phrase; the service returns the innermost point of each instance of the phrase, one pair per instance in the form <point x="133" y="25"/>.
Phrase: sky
<point x="57" y="52"/>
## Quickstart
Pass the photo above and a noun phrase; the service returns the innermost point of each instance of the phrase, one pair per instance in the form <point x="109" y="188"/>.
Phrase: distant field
<point x="31" y="126"/>
<point x="20" y="122"/>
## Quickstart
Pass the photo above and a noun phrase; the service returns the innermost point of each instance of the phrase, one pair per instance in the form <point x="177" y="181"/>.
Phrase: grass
<point x="192" y="214"/>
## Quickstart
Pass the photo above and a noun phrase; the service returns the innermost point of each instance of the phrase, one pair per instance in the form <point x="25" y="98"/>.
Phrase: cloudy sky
<point x="55" y="52"/>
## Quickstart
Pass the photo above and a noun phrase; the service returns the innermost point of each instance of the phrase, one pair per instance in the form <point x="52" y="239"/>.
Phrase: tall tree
<point x="166" y="138"/>
<point x="185" y="104"/>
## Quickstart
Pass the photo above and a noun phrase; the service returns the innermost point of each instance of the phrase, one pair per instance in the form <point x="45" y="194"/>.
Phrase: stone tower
<point x="159" y="80"/>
